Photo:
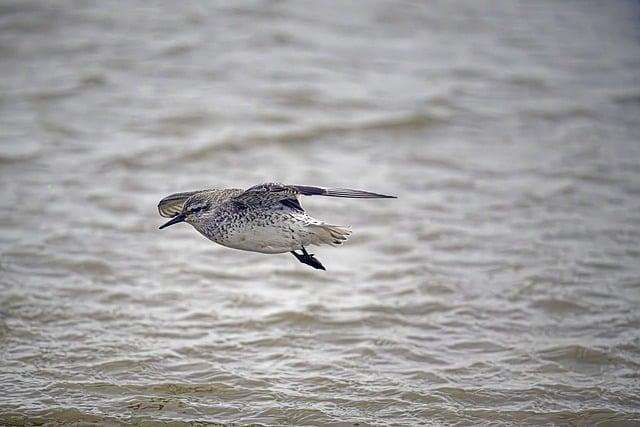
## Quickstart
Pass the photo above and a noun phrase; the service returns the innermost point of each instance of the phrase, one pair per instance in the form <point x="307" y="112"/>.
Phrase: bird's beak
<point x="176" y="219"/>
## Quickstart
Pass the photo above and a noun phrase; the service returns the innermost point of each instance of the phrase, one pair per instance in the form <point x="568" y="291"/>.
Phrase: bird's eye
<point x="197" y="208"/>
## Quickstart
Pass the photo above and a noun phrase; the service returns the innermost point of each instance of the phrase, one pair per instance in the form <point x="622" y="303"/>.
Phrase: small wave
<point x="92" y="266"/>
<point x="560" y="306"/>
<point x="72" y="416"/>
<point x="19" y="153"/>
<point x="180" y="125"/>
<point x="307" y="134"/>
<point x="577" y="354"/>
<point x="295" y="317"/>
<point x="84" y="83"/>
<point x="177" y="49"/>
<point x="631" y="98"/>
<point x="591" y="417"/>
<point x="560" y="115"/>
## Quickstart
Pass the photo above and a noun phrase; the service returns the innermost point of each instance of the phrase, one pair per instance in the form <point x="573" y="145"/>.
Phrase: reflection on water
<point x="503" y="285"/>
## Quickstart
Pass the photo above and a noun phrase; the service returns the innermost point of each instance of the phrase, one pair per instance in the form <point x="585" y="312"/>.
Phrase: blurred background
<point x="502" y="287"/>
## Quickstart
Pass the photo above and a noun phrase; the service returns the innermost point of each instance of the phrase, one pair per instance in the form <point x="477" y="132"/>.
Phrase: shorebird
<point x="266" y="218"/>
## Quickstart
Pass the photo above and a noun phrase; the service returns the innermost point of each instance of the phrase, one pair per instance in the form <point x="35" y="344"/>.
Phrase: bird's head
<point x="195" y="210"/>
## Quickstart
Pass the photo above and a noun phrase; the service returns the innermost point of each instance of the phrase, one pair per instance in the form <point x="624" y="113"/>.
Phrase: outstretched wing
<point x="172" y="205"/>
<point x="270" y="193"/>
<point x="307" y="190"/>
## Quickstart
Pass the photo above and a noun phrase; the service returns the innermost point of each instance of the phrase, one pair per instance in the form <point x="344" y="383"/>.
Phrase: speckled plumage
<point x="266" y="218"/>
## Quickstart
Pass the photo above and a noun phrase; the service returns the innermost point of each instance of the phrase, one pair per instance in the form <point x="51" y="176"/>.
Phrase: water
<point x="501" y="288"/>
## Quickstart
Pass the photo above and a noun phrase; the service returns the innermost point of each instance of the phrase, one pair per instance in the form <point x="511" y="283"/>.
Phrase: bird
<point x="266" y="218"/>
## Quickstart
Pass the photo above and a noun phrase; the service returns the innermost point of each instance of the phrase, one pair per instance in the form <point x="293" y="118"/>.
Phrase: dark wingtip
<point x="355" y="194"/>
<point x="383" y="196"/>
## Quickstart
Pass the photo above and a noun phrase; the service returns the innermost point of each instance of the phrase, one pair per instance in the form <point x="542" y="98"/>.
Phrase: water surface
<point x="501" y="288"/>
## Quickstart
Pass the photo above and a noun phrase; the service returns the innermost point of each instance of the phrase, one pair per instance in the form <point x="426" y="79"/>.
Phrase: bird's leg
<point x="309" y="259"/>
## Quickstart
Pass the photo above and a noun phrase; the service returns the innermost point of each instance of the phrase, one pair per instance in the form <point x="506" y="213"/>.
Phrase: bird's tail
<point x="327" y="234"/>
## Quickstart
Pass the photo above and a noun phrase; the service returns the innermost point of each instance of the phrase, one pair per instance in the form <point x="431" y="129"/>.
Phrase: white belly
<point x="275" y="234"/>
<point x="268" y="239"/>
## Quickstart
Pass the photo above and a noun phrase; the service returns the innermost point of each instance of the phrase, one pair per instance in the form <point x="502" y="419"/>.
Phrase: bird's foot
<point x="309" y="259"/>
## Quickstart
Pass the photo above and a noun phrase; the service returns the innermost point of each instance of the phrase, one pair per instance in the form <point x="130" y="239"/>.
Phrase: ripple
<point x="577" y="354"/>
<point x="500" y="289"/>
<point x="559" y="306"/>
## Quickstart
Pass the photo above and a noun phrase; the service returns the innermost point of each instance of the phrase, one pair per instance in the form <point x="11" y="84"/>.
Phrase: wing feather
<point x="271" y="193"/>
<point x="292" y="203"/>
<point x="340" y="192"/>
<point x="172" y="205"/>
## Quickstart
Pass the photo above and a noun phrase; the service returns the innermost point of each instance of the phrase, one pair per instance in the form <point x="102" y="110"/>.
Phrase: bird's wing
<point x="269" y="193"/>
<point x="172" y="205"/>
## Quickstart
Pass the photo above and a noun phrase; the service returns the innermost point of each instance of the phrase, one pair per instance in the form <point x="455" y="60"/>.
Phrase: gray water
<point x="502" y="287"/>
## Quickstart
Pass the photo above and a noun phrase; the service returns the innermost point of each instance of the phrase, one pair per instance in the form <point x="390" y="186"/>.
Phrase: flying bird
<point x="266" y="218"/>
